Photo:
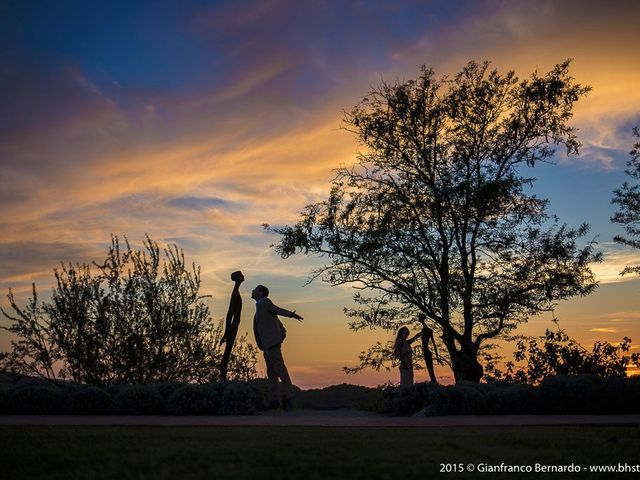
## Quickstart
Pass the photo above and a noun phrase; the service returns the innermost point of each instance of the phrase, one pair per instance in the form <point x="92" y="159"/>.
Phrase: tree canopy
<point x="627" y="198"/>
<point x="436" y="216"/>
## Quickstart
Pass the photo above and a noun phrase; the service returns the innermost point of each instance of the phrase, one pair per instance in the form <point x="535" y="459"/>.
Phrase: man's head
<point x="259" y="292"/>
<point x="237" y="276"/>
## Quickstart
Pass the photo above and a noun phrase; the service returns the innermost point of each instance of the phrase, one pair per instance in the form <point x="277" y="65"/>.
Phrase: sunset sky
<point x="198" y="121"/>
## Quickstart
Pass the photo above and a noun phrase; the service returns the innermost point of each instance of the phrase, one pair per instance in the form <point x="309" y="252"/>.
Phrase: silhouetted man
<point x="232" y="322"/>
<point x="425" y="336"/>
<point x="270" y="334"/>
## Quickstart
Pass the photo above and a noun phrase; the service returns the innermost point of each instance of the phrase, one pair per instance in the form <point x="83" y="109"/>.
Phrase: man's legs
<point x="276" y="369"/>
<point x="274" y="394"/>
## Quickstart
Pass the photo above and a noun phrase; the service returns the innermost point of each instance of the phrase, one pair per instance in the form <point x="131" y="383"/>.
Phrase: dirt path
<point x="315" y="418"/>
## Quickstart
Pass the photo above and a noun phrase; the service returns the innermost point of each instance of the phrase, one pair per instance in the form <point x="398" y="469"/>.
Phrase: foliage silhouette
<point x="242" y="398"/>
<point x="555" y="353"/>
<point x="137" y="400"/>
<point x="194" y="400"/>
<point x="435" y="216"/>
<point x="627" y="198"/>
<point x="88" y="400"/>
<point x="511" y="399"/>
<point x="34" y="399"/>
<point x="137" y="317"/>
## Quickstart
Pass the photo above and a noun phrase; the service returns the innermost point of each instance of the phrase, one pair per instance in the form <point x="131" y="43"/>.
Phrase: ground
<point x="306" y="452"/>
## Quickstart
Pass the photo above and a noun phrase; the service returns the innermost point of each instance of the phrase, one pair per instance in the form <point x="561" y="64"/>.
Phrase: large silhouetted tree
<point x="436" y="216"/>
<point x="627" y="198"/>
<point x="136" y="317"/>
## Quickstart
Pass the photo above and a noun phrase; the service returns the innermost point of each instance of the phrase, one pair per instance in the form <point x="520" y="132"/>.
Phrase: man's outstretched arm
<point x="284" y="312"/>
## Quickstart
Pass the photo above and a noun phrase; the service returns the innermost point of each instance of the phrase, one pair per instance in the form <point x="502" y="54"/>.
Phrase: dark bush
<point x="515" y="399"/>
<point x="263" y="388"/>
<point x="239" y="398"/>
<point x="167" y="389"/>
<point x="407" y="400"/>
<point x="194" y="400"/>
<point x="570" y="394"/>
<point x="440" y="402"/>
<point x="34" y="399"/>
<point x="7" y="378"/>
<point x="33" y="382"/>
<point x="455" y="400"/>
<point x="136" y="400"/>
<point x="621" y="395"/>
<point x="482" y="388"/>
<point x="340" y="396"/>
<point x="88" y="400"/>
<point x="3" y="398"/>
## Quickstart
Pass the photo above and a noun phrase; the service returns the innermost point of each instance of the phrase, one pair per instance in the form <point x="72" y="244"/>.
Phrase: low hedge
<point x="241" y="398"/>
<point x="343" y="396"/>
<point x="33" y="399"/>
<point x="3" y="398"/>
<point x="516" y="399"/>
<point x="562" y="394"/>
<point x="88" y="400"/>
<point x="137" y="400"/>
<point x="194" y="400"/>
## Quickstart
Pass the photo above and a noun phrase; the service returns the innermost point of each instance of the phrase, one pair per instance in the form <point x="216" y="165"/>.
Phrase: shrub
<point x="339" y="396"/>
<point x="571" y="394"/>
<point x="515" y="399"/>
<point x="194" y="400"/>
<point x="555" y="353"/>
<point x="473" y="401"/>
<point x="262" y="386"/>
<point x="167" y="389"/>
<point x="407" y="400"/>
<point x="455" y="400"/>
<point x="137" y="400"/>
<point x="88" y="400"/>
<point x="33" y="399"/>
<point x="3" y="398"/>
<point x="482" y="388"/>
<point x="621" y="395"/>
<point x="239" y="398"/>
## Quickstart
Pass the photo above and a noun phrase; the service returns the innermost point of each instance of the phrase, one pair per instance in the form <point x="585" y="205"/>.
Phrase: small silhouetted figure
<point x="426" y="335"/>
<point x="270" y="333"/>
<point x="402" y="351"/>
<point x="232" y="323"/>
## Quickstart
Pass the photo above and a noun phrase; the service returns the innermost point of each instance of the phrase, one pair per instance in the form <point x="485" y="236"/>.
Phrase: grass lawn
<point x="54" y="452"/>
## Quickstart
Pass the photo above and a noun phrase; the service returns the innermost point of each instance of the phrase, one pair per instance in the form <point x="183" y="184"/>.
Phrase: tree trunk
<point x="464" y="363"/>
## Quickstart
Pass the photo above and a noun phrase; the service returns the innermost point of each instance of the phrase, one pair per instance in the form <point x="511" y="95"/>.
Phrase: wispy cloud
<point x="614" y="261"/>
<point x="603" y="330"/>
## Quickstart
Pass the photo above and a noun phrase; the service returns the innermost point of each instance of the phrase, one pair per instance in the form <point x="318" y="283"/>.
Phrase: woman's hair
<point x="397" y="346"/>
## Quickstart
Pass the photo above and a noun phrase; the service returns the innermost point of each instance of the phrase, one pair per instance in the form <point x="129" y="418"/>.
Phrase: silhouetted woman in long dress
<point x="402" y="351"/>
